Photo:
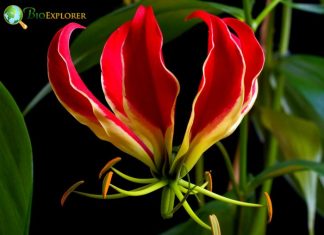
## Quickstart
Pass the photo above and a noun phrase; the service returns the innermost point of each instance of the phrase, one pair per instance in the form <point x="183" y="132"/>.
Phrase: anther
<point x="269" y="206"/>
<point x="109" y="165"/>
<point x="70" y="190"/>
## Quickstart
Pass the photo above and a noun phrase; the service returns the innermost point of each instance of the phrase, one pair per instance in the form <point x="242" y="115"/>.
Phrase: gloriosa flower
<point x="141" y="93"/>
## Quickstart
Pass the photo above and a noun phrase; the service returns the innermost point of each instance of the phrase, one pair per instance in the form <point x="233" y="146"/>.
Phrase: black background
<point x="65" y="151"/>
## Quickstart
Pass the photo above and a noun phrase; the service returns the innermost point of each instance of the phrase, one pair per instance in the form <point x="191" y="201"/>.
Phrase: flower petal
<point x="83" y="105"/>
<point x="218" y="104"/>
<point x="137" y="84"/>
<point x="253" y="57"/>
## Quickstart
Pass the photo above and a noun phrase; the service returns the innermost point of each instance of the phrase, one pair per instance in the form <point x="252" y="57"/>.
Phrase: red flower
<point x="142" y="92"/>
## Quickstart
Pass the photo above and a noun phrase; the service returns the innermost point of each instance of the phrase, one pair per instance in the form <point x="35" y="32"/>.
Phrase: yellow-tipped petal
<point x="69" y="191"/>
<point x="109" y="165"/>
<point x="269" y="206"/>
<point x="106" y="184"/>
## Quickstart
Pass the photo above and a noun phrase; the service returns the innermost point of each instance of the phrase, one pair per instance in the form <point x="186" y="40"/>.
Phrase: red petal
<point x="217" y="106"/>
<point x="81" y="103"/>
<point x="136" y="81"/>
<point x="221" y="85"/>
<point x="253" y="57"/>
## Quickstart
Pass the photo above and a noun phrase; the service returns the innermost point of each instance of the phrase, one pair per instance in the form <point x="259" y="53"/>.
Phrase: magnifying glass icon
<point x="13" y="15"/>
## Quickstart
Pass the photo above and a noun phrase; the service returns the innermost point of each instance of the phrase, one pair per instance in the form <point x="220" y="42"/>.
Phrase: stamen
<point x="187" y="207"/>
<point x="187" y="191"/>
<point x="214" y="225"/>
<point x="110" y="196"/>
<point x="133" y="179"/>
<point x="269" y="206"/>
<point x="106" y="184"/>
<point x="209" y="179"/>
<point x="217" y="196"/>
<point x="69" y="191"/>
<point x="109" y="165"/>
<point x="143" y="190"/>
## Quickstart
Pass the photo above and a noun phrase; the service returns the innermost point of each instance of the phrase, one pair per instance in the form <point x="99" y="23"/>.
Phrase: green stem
<point x="243" y="152"/>
<point x="140" y="192"/>
<point x="216" y="196"/>
<point x="199" y="178"/>
<point x="229" y="167"/>
<point x="264" y="13"/>
<point x="133" y="179"/>
<point x="99" y="196"/>
<point x="248" y="12"/>
<point x="271" y="155"/>
<point x="187" y="207"/>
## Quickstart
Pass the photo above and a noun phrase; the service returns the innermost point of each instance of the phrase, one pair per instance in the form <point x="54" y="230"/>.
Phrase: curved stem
<point x="216" y="196"/>
<point x="248" y="12"/>
<point x="110" y="196"/>
<point x="187" y="207"/>
<point x="229" y="167"/>
<point x="243" y="152"/>
<point x="99" y="196"/>
<point x="140" y="192"/>
<point x="264" y="13"/>
<point x="199" y="178"/>
<point x="133" y="179"/>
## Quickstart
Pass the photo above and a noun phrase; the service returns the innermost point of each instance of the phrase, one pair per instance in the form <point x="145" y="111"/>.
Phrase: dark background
<point x="65" y="151"/>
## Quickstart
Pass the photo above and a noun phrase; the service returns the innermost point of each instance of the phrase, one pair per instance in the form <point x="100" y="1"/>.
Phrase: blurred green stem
<point x="229" y="167"/>
<point x="199" y="178"/>
<point x="243" y="141"/>
<point x="243" y="153"/>
<point x="265" y="13"/>
<point x="247" y="7"/>
<point x="271" y="155"/>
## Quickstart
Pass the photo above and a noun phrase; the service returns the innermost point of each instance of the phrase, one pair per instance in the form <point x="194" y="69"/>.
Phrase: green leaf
<point x="87" y="47"/>
<point x="298" y="139"/>
<point x="283" y="168"/>
<point x="320" y="193"/>
<point x="225" y="213"/>
<point x="304" y="86"/>
<point x="15" y="168"/>
<point x="40" y="95"/>
<point x="308" y="7"/>
<point x="304" y="92"/>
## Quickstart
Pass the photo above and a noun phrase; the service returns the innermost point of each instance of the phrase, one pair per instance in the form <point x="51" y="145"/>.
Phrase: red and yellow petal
<point x="253" y="57"/>
<point x="144" y="91"/>
<point x="83" y="105"/>
<point x="219" y="100"/>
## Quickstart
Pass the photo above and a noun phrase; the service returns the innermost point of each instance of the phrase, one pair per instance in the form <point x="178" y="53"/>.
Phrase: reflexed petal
<point x="218" y="104"/>
<point x="253" y="57"/>
<point x="81" y="103"/>
<point x="137" y="84"/>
